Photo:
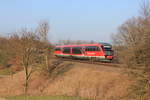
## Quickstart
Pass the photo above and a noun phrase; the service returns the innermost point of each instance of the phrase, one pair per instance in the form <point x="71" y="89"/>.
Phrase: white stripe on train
<point x="80" y="56"/>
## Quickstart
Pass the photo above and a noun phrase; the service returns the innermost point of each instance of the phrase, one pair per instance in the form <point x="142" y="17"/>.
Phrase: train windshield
<point x="107" y="50"/>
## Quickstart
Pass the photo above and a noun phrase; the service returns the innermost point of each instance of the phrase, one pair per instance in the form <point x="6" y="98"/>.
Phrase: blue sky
<point x="69" y="19"/>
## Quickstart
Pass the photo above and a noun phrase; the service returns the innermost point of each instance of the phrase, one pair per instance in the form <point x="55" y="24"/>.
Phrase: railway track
<point x="90" y="62"/>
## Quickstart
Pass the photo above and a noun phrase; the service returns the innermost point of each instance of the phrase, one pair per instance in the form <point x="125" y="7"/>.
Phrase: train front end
<point x="108" y="52"/>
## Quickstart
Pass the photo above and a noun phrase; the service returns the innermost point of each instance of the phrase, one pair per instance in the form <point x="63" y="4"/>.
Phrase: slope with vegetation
<point x="133" y="49"/>
<point x="71" y="79"/>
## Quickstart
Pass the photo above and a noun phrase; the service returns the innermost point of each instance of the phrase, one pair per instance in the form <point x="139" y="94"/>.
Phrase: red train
<point x="100" y="51"/>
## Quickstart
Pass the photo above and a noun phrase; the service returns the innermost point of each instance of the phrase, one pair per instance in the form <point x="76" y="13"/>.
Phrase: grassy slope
<point x="84" y="80"/>
<point x="5" y="71"/>
<point x="45" y="98"/>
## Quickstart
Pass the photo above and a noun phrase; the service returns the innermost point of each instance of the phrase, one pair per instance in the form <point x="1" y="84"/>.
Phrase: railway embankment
<point x="78" y="79"/>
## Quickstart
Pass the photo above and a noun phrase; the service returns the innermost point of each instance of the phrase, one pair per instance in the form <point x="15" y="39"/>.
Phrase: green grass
<point x="45" y="98"/>
<point x="5" y="71"/>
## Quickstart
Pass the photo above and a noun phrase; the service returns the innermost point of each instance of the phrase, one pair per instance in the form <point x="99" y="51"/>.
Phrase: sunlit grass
<point x="44" y="98"/>
<point x="5" y="71"/>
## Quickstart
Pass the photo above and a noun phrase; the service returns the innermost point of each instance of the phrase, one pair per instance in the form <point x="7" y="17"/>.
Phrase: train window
<point x="57" y="49"/>
<point x="92" y="48"/>
<point x="106" y="48"/>
<point x="66" y="50"/>
<point x="76" y="50"/>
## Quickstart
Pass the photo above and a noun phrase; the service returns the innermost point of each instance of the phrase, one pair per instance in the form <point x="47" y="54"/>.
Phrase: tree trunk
<point x="26" y="81"/>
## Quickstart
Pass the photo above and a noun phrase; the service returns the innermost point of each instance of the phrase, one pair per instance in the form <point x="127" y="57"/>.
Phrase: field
<point x="5" y="71"/>
<point x="45" y="98"/>
<point x="77" y="80"/>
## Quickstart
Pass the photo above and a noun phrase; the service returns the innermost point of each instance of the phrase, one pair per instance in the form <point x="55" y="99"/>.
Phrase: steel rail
<point x="90" y="62"/>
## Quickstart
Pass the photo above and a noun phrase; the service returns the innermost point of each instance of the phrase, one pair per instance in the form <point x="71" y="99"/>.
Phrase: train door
<point x="77" y="52"/>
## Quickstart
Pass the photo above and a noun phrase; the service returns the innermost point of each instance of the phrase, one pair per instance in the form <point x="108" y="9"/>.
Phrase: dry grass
<point x="90" y="81"/>
<point x="85" y="80"/>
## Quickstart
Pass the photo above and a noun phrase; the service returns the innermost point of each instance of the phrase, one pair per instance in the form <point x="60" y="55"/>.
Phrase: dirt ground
<point x="85" y="80"/>
<point x="2" y="99"/>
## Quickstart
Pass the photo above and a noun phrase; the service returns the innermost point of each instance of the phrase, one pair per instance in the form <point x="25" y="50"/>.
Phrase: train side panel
<point x="78" y="52"/>
<point x="85" y="51"/>
<point x="66" y="51"/>
<point x="94" y="52"/>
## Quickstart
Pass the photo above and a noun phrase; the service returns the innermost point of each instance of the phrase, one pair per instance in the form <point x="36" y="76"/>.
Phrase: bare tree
<point x="133" y="44"/>
<point x="28" y="54"/>
<point x="30" y="50"/>
<point x="43" y="30"/>
<point x="74" y="42"/>
<point x="145" y="9"/>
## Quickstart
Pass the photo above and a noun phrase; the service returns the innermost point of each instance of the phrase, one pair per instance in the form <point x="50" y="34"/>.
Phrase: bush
<point x="132" y="44"/>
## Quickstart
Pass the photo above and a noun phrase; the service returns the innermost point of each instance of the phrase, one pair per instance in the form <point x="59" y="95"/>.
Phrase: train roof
<point x="78" y="45"/>
<point x="106" y="44"/>
<point x="96" y="44"/>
